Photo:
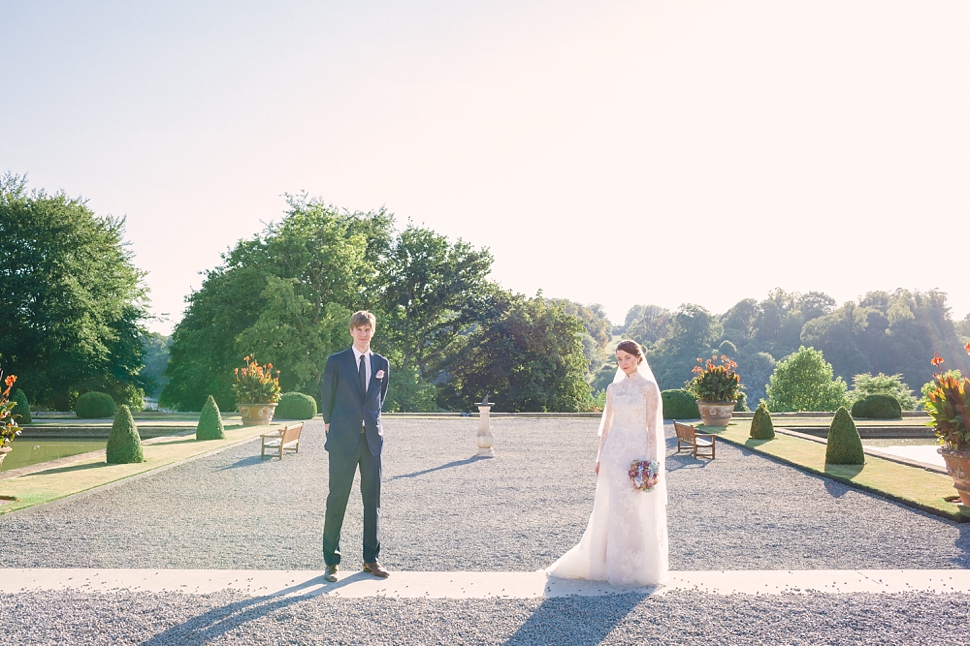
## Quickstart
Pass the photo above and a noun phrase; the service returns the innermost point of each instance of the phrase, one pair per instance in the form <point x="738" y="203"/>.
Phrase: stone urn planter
<point x="256" y="414"/>
<point x="958" y="466"/>
<point x="715" y="413"/>
<point x="4" y="450"/>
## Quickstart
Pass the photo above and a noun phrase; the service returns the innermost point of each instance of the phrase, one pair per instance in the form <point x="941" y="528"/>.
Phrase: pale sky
<point x="616" y="153"/>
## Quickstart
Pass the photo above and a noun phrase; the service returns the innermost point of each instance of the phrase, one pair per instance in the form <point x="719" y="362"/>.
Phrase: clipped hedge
<point x="877" y="407"/>
<point x="93" y="405"/>
<point x="22" y="408"/>
<point x="679" y="404"/>
<point x="296" y="406"/>
<point x="761" y="426"/>
<point x="124" y="443"/>
<point x="210" y="422"/>
<point x="844" y="446"/>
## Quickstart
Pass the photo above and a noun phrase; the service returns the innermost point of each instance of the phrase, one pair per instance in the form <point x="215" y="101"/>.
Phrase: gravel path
<point x="445" y="510"/>
<point x="682" y="618"/>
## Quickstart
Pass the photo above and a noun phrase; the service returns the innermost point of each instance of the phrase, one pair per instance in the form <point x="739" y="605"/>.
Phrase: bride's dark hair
<point x="631" y="347"/>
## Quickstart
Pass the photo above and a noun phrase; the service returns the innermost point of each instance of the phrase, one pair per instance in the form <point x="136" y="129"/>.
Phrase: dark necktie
<point x="363" y="374"/>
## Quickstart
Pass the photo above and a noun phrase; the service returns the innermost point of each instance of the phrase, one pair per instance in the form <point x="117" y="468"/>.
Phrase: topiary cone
<point x="22" y="408"/>
<point x="761" y="426"/>
<point x="124" y="443"/>
<point x="210" y="422"/>
<point x="844" y="446"/>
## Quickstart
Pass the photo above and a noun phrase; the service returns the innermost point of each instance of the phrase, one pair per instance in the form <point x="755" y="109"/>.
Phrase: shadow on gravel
<point x="578" y="621"/>
<point x="456" y="463"/>
<point x="686" y="461"/>
<point x="216" y="623"/>
<point x="251" y="461"/>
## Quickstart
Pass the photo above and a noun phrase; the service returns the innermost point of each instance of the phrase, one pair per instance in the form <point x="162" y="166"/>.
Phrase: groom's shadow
<point x="217" y="622"/>
<point x="575" y="620"/>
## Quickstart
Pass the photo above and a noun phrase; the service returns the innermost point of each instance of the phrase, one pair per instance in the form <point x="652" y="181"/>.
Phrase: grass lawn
<point x="909" y="485"/>
<point x="92" y="471"/>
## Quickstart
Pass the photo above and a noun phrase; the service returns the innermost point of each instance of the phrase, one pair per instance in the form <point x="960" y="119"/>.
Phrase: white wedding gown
<point x="625" y="541"/>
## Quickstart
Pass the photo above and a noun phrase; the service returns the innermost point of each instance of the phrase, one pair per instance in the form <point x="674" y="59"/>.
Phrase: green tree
<point x="528" y="356"/>
<point x="647" y="324"/>
<point x="432" y="291"/>
<point x="837" y="335"/>
<point x="694" y="333"/>
<point x="285" y="295"/>
<point x="804" y="381"/>
<point x="73" y="300"/>
<point x="598" y="334"/>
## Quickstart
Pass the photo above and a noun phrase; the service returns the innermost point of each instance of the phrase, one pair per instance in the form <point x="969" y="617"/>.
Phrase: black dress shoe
<point x="330" y="574"/>
<point x="376" y="569"/>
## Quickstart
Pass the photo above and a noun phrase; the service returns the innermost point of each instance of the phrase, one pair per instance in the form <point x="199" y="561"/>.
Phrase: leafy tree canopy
<point x="804" y="381"/>
<point x="430" y="292"/>
<point x="74" y="301"/>
<point x="528" y="356"/>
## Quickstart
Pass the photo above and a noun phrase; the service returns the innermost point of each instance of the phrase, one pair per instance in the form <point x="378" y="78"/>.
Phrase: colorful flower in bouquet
<point x="948" y="404"/>
<point x="644" y="474"/>
<point x="256" y="384"/>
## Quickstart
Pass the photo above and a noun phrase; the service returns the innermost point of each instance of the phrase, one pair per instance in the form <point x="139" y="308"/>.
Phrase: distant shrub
<point x="93" y="405"/>
<point x="210" y="422"/>
<point x="761" y="426"/>
<point x="124" y="443"/>
<point x="679" y="404"/>
<point x="22" y="408"/>
<point x="892" y="385"/>
<point x="296" y="406"/>
<point x="877" y="407"/>
<point x="843" y="446"/>
<point x="741" y="403"/>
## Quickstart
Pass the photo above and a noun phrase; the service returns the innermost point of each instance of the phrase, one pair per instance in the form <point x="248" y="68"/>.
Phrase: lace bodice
<point x="627" y="417"/>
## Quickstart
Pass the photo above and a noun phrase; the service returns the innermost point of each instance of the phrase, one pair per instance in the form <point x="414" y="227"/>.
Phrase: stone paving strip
<point x="929" y="491"/>
<point x="76" y="474"/>
<point x="475" y="585"/>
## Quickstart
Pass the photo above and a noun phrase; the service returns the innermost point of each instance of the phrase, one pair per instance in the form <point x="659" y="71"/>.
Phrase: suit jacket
<point x="346" y="408"/>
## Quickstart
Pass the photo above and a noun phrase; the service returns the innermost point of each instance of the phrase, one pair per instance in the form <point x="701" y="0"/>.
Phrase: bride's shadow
<point x="574" y="620"/>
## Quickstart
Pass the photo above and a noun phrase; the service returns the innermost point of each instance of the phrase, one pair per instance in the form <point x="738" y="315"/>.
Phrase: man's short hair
<point x="362" y="318"/>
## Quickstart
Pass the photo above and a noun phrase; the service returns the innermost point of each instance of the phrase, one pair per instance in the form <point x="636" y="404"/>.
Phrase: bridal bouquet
<point x="644" y="474"/>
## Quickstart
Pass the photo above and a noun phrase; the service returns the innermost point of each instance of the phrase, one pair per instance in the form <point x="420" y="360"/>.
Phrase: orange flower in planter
<point x="9" y="429"/>
<point x="256" y="385"/>
<point x="948" y="405"/>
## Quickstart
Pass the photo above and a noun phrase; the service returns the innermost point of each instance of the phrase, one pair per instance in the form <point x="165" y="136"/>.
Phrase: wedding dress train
<point x="625" y="541"/>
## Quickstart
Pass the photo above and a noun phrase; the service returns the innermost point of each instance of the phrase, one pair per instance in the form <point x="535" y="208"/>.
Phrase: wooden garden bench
<point x="284" y="439"/>
<point x="688" y="439"/>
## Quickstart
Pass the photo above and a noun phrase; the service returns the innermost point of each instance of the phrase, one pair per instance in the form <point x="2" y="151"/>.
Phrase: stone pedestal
<point x="484" y="438"/>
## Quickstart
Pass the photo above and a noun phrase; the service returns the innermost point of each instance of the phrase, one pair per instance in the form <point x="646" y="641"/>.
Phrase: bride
<point x="625" y="541"/>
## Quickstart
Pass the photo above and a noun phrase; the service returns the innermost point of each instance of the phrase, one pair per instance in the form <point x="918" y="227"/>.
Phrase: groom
<point x="354" y="386"/>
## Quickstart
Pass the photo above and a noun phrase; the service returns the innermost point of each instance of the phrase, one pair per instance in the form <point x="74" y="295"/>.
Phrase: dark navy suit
<point x="355" y="439"/>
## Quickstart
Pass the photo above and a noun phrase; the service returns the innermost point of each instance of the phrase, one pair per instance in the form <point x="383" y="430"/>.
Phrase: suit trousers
<point x="342" y="470"/>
